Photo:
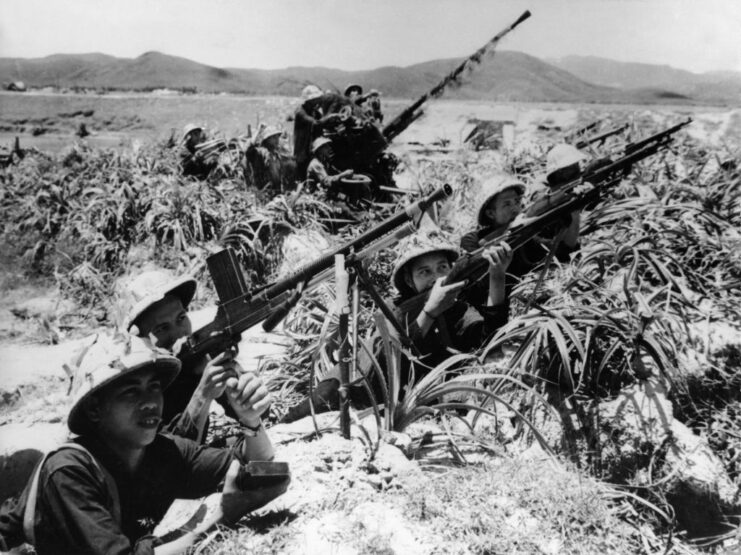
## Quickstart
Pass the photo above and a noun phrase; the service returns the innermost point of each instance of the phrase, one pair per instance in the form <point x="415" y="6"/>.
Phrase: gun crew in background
<point x="323" y="176"/>
<point x="270" y="164"/>
<point x="432" y="314"/>
<point x="369" y="102"/>
<point x="105" y="491"/>
<point x="309" y="122"/>
<point x="158" y="306"/>
<point x="192" y="161"/>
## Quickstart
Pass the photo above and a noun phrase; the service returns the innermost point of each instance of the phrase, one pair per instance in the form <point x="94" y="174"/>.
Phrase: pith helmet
<point x="353" y="87"/>
<point x="188" y="129"/>
<point x="493" y="187"/>
<point x="109" y="359"/>
<point x="151" y="287"/>
<point x="310" y="92"/>
<point x="562" y="156"/>
<point x="319" y="143"/>
<point x="270" y="132"/>
<point x="373" y="92"/>
<point x="417" y="245"/>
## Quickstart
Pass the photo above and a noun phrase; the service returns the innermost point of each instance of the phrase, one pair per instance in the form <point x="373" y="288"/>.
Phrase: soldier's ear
<point x="92" y="409"/>
<point x="407" y="274"/>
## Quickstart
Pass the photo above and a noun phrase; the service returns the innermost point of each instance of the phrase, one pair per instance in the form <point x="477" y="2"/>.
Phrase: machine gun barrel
<point x="411" y="113"/>
<point x="600" y="137"/>
<point x="657" y="138"/>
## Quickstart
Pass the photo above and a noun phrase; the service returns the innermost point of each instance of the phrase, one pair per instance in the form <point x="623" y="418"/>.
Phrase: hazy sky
<point x="698" y="35"/>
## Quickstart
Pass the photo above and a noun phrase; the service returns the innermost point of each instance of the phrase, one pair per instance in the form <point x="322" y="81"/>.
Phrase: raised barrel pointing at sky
<point x="413" y="112"/>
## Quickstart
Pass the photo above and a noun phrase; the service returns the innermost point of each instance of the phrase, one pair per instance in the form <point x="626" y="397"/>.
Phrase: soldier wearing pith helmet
<point x="502" y="203"/>
<point x="157" y="305"/>
<point x="104" y="491"/>
<point x="435" y="315"/>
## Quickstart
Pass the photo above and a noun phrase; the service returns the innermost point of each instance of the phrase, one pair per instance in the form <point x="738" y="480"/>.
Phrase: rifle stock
<point x="239" y="309"/>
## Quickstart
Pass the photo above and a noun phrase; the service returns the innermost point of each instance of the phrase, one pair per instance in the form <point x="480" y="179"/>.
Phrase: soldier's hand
<point x="215" y="375"/>
<point x="235" y="503"/>
<point x="248" y="396"/>
<point x="346" y="173"/>
<point x="442" y="297"/>
<point x="499" y="258"/>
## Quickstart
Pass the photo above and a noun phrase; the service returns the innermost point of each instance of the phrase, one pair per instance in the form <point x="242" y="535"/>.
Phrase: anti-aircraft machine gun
<point x="360" y="144"/>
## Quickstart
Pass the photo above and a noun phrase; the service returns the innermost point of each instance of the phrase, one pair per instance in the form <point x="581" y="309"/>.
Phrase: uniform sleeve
<point x="75" y="512"/>
<point x="205" y="467"/>
<point x="318" y="173"/>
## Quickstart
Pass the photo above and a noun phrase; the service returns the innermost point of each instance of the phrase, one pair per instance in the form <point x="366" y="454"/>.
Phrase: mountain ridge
<point x="503" y="75"/>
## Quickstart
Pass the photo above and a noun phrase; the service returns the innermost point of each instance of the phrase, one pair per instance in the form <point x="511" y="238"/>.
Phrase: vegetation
<point x="661" y="258"/>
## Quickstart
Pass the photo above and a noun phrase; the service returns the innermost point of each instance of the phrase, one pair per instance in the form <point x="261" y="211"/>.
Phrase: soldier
<point x="354" y="92"/>
<point x="192" y="162"/>
<point x="563" y="165"/>
<point x="501" y="206"/>
<point x="434" y="316"/>
<point x="321" y="174"/>
<point x="105" y="491"/>
<point x="371" y="105"/>
<point x="272" y="166"/>
<point x="309" y="121"/>
<point x="158" y="306"/>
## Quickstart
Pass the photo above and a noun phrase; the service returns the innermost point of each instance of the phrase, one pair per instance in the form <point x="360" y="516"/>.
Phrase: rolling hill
<point x="714" y="86"/>
<point x="505" y="76"/>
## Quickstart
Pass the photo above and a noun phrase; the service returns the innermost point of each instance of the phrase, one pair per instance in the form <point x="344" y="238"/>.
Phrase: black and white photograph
<point x="412" y="277"/>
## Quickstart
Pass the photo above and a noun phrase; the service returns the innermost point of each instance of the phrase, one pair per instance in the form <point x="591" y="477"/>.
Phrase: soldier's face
<point x="195" y="137"/>
<point x="167" y="320"/>
<point x="128" y="412"/>
<point x="425" y="270"/>
<point x="505" y="207"/>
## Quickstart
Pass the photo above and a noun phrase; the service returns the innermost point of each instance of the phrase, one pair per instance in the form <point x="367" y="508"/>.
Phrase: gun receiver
<point x="411" y="113"/>
<point x="240" y="309"/>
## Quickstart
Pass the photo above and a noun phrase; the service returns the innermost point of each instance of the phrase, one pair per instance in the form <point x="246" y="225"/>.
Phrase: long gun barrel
<point x="557" y="207"/>
<point x="634" y="152"/>
<point x="657" y="138"/>
<point x="601" y="137"/>
<point x="240" y="309"/>
<point x="412" y="112"/>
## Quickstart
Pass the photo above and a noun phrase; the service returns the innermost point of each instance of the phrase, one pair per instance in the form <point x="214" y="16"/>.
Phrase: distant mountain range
<point x="505" y="76"/>
<point x="713" y="86"/>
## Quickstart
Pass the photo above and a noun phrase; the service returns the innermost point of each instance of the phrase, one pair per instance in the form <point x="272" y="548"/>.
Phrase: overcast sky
<point x="699" y="35"/>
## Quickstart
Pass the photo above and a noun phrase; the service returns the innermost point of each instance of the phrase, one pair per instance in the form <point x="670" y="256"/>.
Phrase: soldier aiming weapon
<point x="554" y="208"/>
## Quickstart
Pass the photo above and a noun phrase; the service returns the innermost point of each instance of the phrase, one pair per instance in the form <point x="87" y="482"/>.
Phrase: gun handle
<point x="280" y="312"/>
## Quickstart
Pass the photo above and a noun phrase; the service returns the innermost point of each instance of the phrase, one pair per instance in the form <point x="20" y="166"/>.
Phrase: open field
<point x="118" y="119"/>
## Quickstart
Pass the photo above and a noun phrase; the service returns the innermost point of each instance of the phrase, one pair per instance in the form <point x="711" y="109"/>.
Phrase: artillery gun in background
<point x="359" y="143"/>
